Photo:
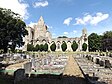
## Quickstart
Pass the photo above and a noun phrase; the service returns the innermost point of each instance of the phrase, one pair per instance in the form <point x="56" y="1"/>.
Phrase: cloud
<point x="65" y="33"/>
<point x="74" y="31"/>
<point x="32" y="24"/>
<point x="93" y="20"/>
<point x="67" y="21"/>
<point x="17" y="6"/>
<point x="70" y="34"/>
<point x="40" y="4"/>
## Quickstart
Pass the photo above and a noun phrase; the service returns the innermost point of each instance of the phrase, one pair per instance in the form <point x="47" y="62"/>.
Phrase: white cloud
<point x="40" y="4"/>
<point x="74" y="31"/>
<point x="32" y="24"/>
<point x="67" y="21"/>
<point x="65" y="33"/>
<point x="16" y="6"/>
<point x="70" y="34"/>
<point x="93" y="20"/>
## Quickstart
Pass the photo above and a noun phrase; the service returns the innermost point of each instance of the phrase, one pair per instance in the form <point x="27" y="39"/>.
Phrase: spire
<point x="41" y="21"/>
<point x="84" y="31"/>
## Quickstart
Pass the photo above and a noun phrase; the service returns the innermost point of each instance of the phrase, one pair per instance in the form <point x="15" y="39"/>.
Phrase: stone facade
<point x="39" y="34"/>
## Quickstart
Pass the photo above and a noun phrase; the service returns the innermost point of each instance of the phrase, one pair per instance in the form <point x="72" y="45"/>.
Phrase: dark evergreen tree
<point x="74" y="46"/>
<point x="53" y="47"/>
<point x="37" y="47"/>
<point x="84" y="47"/>
<point x="41" y="47"/>
<point x="64" y="46"/>
<point x="45" y="47"/>
<point x="30" y="47"/>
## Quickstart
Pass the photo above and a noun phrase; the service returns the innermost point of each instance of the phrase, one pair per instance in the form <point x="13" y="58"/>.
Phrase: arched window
<point x="58" y="46"/>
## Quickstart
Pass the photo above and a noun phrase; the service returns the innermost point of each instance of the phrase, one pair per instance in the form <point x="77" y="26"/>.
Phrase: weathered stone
<point x="19" y="75"/>
<point x="27" y="67"/>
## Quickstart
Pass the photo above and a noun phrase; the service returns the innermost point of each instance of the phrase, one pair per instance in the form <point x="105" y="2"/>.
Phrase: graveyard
<point x="63" y="68"/>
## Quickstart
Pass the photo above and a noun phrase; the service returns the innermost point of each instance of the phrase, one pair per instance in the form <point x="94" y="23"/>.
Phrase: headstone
<point x="19" y="75"/>
<point x="107" y="64"/>
<point x="27" y="67"/>
<point x="1" y="59"/>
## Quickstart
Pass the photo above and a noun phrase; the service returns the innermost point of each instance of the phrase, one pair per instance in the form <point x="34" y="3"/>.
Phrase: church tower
<point x="40" y="29"/>
<point x="85" y="37"/>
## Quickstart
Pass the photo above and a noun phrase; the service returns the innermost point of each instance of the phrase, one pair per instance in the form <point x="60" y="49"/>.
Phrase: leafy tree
<point x="37" y="47"/>
<point x="30" y="47"/>
<point x="62" y="37"/>
<point x="64" y="46"/>
<point x="74" y="46"/>
<point x="45" y="47"/>
<point x="12" y="30"/>
<point x="53" y="47"/>
<point x="107" y="41"/>
<point x="41" y="47"/>
<point x="94" y="42"/>
<point x="84" y="47"/>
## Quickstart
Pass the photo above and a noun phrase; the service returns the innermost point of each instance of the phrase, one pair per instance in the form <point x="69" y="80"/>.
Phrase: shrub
<point x="45" y="47"/>
<point x="41" y="47"/>
<point x="64" y="46"/>
<point x="53" y="47"/>
<point x="74" y="46"/>
<point x="30" y="47"/>
<point x="37" y="47"/>
<point x="84" y="47"/>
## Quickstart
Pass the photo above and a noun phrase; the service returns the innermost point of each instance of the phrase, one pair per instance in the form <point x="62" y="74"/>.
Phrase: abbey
<point x="39" y="34"/>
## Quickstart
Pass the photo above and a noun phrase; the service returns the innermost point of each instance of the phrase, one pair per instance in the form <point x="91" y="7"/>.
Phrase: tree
<point x="41" y="47"/>
<point x="53" y="47"/>
<point x="74" y="46"/>
<point x="12" y="30"/>
<point x="84" y="47"/>
<point x="30" y="47"/>
<point x="107" y="41"/>
<point x="45" y="47"/>
<point x="37" y="47"/>
<point x="94" y="42"/>
<point x="64" y="46"/>
<point x="62" y="37"/>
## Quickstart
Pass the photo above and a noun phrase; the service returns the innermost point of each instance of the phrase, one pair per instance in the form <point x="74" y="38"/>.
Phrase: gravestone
<point x="1" y="59"/>
<point x="107" y="64"/>
<point x="19" y="75"/>
<point x="33" y="63"/>
<point x="27" y="67"/>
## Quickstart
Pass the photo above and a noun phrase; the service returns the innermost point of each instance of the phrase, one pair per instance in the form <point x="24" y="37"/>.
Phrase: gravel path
<point x="72" y="69"/>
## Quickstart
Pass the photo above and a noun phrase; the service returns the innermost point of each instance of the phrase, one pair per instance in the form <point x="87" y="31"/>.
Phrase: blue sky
<point x="65" y="17"/>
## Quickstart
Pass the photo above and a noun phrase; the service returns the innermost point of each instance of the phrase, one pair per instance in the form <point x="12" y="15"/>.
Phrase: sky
<point x="65" y="17"/>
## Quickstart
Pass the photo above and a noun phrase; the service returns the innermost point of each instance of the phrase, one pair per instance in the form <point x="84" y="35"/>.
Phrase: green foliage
<point x="53" y="47"/>
<point x="30" y="47"/>
<point x="37" y="47"/>
<point x="94" y="42"/>
<point x="64" y="46"/>
<point x="41" y="47"/>
<point x="45" y="47"/>
<point x="62" y="37"/>
<point x="12" y="29"/>
<point x="107" y="41"/>
<point x="98" y="42"/>
<point x="84" y="47"/>
<point x="74" y="46"/>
